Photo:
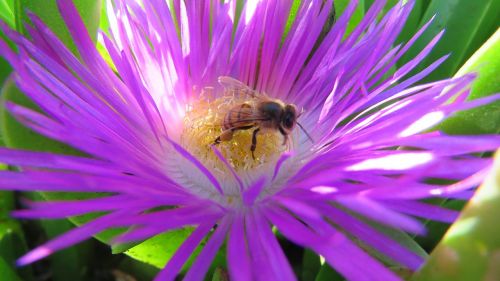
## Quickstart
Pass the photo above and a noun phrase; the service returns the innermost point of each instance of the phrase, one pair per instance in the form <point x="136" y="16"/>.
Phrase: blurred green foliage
<point x="468" y="25"/>
<point x="486" y="119"/>
<point x="470" y="250"/>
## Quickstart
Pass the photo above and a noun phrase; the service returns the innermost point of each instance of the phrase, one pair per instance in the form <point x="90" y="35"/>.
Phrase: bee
<point x="260" y="113"/>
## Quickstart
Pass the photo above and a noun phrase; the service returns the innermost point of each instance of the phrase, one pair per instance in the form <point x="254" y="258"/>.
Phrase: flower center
<point x="208" y="119"/>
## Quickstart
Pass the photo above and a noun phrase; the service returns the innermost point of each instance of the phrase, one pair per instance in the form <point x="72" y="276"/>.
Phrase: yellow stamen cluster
<point x="203" y="123"/>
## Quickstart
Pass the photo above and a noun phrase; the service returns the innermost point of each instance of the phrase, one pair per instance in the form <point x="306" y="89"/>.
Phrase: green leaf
<point x="70" y="263"/>
<point x="467" y="24"/>
<point x="67" y="264"/>
<point x="155" y="251"/>
<point x="105" y="236"/>
<point x="90" y="11"/>
<point x="482" y="120"/>
<point x="141" y="271"/>
<point x="103" y="21"/>
<point x="6" y="204"/>
<point x="7" y="12"/>
<point x="412" y="23"/>
<point x="13" y="245"/>
<point x="436" y="229"/>
<point x="291" y="17"/>
<point x="396" y="235"/>
<point x="12" y="240"/>
<point x="5" y="68"/>
<point x="357" y="16"/>
<point x="339" y="7"/>
<point x="159" y="249"/>
<point x="123" y="247"/>
<point x="15" y="135"/>
<point x="470" y="249"/>
<point x="220" y="274"/>
<point x="388" y="5"/>
<point x="401" y="237"/>
<point x="311" y="265"/>
<point x="327" y="273"/>
<point x="7" y="272"/>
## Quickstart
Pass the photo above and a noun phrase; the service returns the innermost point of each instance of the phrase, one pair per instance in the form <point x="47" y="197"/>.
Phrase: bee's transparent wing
<point x="233" y="86"/>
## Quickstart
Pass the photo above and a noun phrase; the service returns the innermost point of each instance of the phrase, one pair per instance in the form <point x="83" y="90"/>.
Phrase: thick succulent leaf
<point x="486" y="119"/>
<point x="401" y="238"/>
<point x="5" y="68"/>
<point x="6" y="200"/>
<point x="70" y="263"/>
<point x="412" y="24"/>
<point x="7" y="12"/>
<point x="436" y="229"/>
<point x="104" y="236"/>
<point x="338" y="9"/>
<point x="158" y="250"/>
<point x="220" y="274"/>
<point x="470" y="250"/>
<point x="12" y="240"/>
<point x="7" y="16"/>
<point x="103" y="20"/>
<point x="327" y="273"/>
<point x="141" y="271"/>
<point x="7" y="272"/>
<point x="388" y="4"/>
<point x="467" y="24"/>
<point x="311" y="265"/>
<point x="14" y="133"/>
<point x="67" y="264"/>
<point x="90" y="10"/>
<point x="289" y="22"/>
<point x="357" y="16"/>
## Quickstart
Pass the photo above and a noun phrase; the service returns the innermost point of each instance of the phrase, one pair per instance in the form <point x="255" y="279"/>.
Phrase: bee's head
<point x="289" y="118"/>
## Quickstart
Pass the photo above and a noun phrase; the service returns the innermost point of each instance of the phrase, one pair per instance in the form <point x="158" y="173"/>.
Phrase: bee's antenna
<point x="304" y="130"/>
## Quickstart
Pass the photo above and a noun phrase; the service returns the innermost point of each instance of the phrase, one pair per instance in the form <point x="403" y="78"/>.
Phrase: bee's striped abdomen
<point x="237" y="115"/>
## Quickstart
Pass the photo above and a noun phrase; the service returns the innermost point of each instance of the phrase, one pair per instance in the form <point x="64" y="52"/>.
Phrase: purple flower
<point x="147" y="124"/>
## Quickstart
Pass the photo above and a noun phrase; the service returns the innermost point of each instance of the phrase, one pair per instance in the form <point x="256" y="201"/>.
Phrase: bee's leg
<point x="288" y="142"/>
<point x="225" y="136"/>
<point x="285" y="140"/>
<point x="228" y="134"/>
<point x="254" y="142"/>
